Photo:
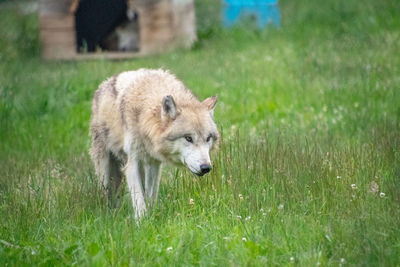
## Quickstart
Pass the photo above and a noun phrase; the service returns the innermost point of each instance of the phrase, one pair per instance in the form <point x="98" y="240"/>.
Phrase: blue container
<point x="265" y="11"/>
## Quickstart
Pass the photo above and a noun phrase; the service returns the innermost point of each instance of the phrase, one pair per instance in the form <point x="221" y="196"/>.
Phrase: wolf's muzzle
<point x="205" y="168"/>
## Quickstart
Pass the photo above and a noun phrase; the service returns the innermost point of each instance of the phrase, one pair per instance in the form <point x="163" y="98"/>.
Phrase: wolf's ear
<point x="210" y="103"/>
<point x="168" y="107"/>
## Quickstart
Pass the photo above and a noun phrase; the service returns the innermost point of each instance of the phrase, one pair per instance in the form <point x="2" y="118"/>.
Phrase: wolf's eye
<point x="209" y="138"/>
<point x="189" y="139"/>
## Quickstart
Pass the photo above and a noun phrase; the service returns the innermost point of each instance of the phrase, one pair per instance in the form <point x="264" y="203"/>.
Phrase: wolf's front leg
<point x="133" y="178"/>
<point x="152" y="170"/>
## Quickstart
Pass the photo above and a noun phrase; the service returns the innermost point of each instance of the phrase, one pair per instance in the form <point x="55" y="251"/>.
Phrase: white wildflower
<point x="353" y="186"/>
<point x="291" y="259"/>
<point x="240" y="196"/>
<point x="382" y="195"/>
<point x="248" y="218"/>
<point x="328" y="238"/>
<point x="191" y="201"/>
<point x="280" y="207"/>
<point x="244" y="239"/>
<point x="169" y="248"/>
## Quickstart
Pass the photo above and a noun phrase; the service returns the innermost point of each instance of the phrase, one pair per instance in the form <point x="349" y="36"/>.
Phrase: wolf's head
<point x="190" y="133"/>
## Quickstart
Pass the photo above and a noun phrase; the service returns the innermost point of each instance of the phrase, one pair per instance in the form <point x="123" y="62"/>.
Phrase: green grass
<point x="308" y="167"/>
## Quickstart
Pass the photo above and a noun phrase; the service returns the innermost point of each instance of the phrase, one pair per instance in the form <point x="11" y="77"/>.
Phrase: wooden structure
<point x="163" y="25"/>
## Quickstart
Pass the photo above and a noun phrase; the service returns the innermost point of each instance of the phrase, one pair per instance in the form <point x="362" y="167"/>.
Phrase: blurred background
<point x="308" y="167"/>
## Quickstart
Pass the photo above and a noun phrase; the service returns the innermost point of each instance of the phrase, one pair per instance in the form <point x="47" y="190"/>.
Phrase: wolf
<point x="142" y="119"/>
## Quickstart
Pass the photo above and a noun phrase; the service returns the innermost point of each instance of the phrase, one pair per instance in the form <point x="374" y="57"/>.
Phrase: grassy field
<point x="307" y="173"/>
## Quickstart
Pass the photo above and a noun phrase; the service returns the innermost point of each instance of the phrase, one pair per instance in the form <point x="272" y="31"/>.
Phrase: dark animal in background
<point x="99" y="23"/>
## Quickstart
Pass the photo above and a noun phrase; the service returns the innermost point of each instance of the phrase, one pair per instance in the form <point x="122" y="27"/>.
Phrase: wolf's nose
<point x="205" y="168"/>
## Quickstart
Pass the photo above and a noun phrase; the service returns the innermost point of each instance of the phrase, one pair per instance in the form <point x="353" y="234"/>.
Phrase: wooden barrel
<point x="165" y="24"/>
<point x="57" y="29"/>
